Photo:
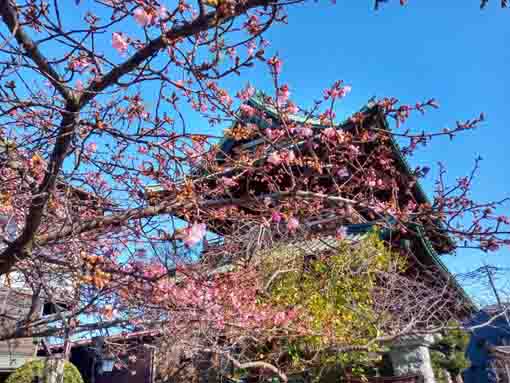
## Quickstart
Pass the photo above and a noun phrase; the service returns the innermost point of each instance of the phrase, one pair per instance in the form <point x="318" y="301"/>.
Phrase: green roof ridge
<point x="436" y="258"/>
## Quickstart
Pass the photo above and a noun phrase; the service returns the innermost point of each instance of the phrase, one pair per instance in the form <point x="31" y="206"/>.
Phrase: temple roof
<point x="371" y="109"/>
<point x="437" y="238"/>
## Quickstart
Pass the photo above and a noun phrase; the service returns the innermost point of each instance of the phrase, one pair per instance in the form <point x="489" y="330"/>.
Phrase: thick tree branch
<point x="258" y="365"/>
<point x="10" y="18"/>
<point x="170" y="207"/>
<point x="23" y="245"/>
<point x="200" y="24"/>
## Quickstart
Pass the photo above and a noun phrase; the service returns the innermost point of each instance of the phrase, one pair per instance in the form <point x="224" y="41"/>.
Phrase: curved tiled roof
<point x="257" y="101"/>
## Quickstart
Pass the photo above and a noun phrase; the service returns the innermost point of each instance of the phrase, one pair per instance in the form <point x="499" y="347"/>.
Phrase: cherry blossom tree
<point x="95" y="107"/>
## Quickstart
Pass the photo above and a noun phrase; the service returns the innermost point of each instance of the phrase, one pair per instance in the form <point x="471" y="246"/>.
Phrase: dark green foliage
<point x="27" y="373"/>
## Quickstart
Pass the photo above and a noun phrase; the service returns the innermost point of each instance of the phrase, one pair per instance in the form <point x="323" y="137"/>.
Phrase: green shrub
<point x="27" y="373"/>
<point x="334" y="292"/>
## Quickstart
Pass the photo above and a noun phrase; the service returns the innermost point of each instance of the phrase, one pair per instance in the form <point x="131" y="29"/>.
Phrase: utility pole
<point x="501" y="308"/>
<point x="498" y="299"/>
<point x="491" y="282"/>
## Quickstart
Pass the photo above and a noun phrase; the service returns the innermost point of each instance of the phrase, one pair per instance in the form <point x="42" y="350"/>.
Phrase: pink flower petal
<point x="276" y="217"/>
<point x="274" y="159"/>
<point x="194" y="234"/>
<point x="292" y="224"/>
<point x="142" y="17"/>
<point x="119" y="42"/>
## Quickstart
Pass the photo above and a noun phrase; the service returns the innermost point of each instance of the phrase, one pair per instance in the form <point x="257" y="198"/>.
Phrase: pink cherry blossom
<point x="341" y="233"/>
<point x="142" y="17"/>
<point x="119" y="42"/>
<point x="504" y="219"/>
<point x="292" y="224"/>
<point x="194" y="234"/>
<point x="276" y="64"/>
<point x="343" y="172"/>
<point x="92" y="147"/>
<point x="79" y="63"/>
<point x="225" y="99"/>
<point x="246" y="93"/>
<point x="292" y="108"/>
<point x="288" y="156"/>
<point x="276" y="217"/>
<point x="280" y="318"/>
<point x="411" y="206"/>
<point x="247" y="110"/>
<point x="274" y="159"/>
<point x="273" y="134"/>
<point x="329" y="133"/>
<point x="232" y="52"/>
<point x="195" y="152"/>
<point x="354" y="150"/>
<point x="78" y="85"/>
<point x="332" y="134"/>
<point x="304" y="131"/>
<point x="253" y="25"/>
<point x="228" y="181"/>
<point x="338" y="90"/>
<point x="162" y="13"/>
<point x="251" y="48"/>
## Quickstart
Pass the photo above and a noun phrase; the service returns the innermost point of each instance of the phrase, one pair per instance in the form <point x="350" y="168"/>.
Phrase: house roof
<point x="495" y="309"/>
<point x="500" y="352"/>
<point x="122" y="337"/>
<point x="14" y="305"/>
